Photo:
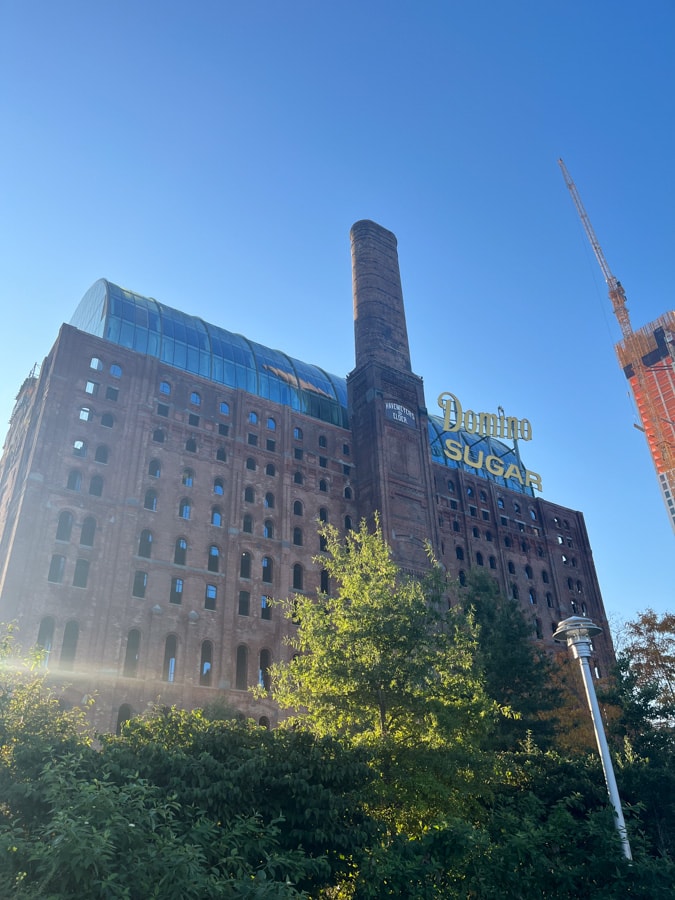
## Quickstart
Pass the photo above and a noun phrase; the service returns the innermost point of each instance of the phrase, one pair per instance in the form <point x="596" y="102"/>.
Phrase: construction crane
<point x="647" y="357"/>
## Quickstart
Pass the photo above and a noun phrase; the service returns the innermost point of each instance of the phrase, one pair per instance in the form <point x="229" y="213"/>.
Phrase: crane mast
<point x="616" y="291"/>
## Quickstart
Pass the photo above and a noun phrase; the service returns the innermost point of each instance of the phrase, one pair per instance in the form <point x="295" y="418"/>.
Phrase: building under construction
<point x="647" y="357"/>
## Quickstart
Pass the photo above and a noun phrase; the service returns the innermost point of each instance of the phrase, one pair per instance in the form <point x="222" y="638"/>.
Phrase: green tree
<point x="650" y="647"/>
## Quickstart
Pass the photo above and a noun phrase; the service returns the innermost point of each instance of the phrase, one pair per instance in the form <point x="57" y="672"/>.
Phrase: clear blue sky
<point x="215" y="154"/>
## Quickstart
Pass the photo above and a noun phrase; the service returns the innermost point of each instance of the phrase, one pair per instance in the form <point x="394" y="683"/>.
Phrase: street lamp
<point x="577" y="632"/>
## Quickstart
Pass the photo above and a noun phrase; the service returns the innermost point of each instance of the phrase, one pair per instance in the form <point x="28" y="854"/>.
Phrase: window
<point x="470" y="491"/>
<point x="130" y="668"/>
<point x="252" y="440"/>
<point x="150" y="501"/>
<point x="86" y="414"/>
<point x="544" y="576"/>
<point x="348" y="493"/>
<point x="462" y="577"/>
<point x="528" y="571"/>
<point x="512" y="568"/>
<point x="45" y="640"/>
<point x="250" y="464"/>
<point x="267" y="569"/>
<point x="451" y="486"/>
<point x="271" y="445"/>
<point x="213" y="564"/>
<point x="323" y="543"/>
<point x="163" y="410"/>
<point x="483" y="497"/>
<point x="514" y="591"/>
<point x="184" y="509"/>
<point x="473" y="510"/>
<point x="195" y="399"/>
<point x="188" y="478"/>
<point x="176" y="594"/>
<point x="455" y="525"/>
<point x="322" y="440"/>
<point x="224" y="408"/>
<point x="102" y="454"/>
<point x="218" y="487"/>
<point x="532" y="596"/>
<point x="216" y="516"/>
<point x="549" y="600"/>
<point x="298" y="478"/>
<point x="210" y="596"/>
<point x="516" y="507"/>
<point x="158" y="436"/>
<point x="297" y="508"/>
<point x="323" y="514"/>
<point x="107" y="420"/>
<point x="324" y="583"/>
<point x="74" y="482"/>
<point x="500" y="502"/>
<point x="297" y="577"/>
<point x="488" y="536"/>
<point x="223" y="429"/>
<point x="346" y="470"/>
<point x="180" y="552"/>
<point x="191" y="445"/>
<point x="475" y="532"/>
<point x="206" y="664"/>
<point x="245" y="565"/>
<point x="580" y="588"/>
<point x="91" y="387"/>
<point x="459" y="551"/>
<point x="264" y="669"/>
<point x="145" y="544"/>
<point x="140" y="584"/>
<point x="165" y="388"/>
<point x="485" y="514"/>
<point x="247" y="525"/>
<point x="96" y="364"/>
<point x="56" y="569"/>
<point x="297" y="537"/>
<point x="244" y="603"/>
<point x="265" y="607"/>
<point x="323" y="462"/>
<point x="96" y="486"/>
<point x="169" y="664"/>
<point x="253" y="418"/>
<point x="348" y="523"/>
<point x="221" y="456"/>
<point x="268" y="528"/>
<point x="79" y="448"/>
<point x="479" y="559"/>
<point x="323" y="487"/>
<point x="297" y="433"/>
<point x="493" y="562"/>
<point x="154" y="468"/>
<point x="269" y="501"/>
<point x="270" y="470"/>
<point x="88" y="531"/>
<point x="271" y="424"/>
<point x="507" y="541"/>
<point x="69" y="645"/>
<point x="297" y="453"/>
<point x="64" y="526"/>
<point x="264" y="722"/>
<point x="116" y="371"/>
<point x="241" y="674"/>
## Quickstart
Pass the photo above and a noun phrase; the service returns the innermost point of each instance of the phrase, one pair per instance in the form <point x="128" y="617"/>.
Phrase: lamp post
<point x="577" y="632"/>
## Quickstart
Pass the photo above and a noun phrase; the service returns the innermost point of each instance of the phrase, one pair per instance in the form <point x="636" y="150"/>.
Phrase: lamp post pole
<point x="577" y="632"/>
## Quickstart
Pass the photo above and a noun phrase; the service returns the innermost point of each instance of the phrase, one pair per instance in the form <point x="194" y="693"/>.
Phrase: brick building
<point x="162" y="478"/>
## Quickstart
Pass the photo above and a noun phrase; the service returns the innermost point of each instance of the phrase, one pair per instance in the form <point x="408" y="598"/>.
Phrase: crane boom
<point x="616" y="292"/>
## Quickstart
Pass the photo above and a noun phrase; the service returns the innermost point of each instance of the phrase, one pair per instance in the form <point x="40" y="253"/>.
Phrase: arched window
<point x="267" y="569"/>
<point x="483" y="496"/>
<point x="216" y="516"/>
<point x="475" y="532"/>
<point x="549" y="600"/>
<point x="213" y="564"/>
<point x="270" y="470"/>
<point x="528" y="571"/>
<point x="544" y="576"/>
<point x="297" y="433"/>
<point x="580" y="588"/>
<point x="206" y="664"/>
<point x="488" y="536"/>
<point x="184" y="509"/>
<point x="249" y="495"/>
<point x="195" y="399"/>
<point x="264" y="669"/>
<point x="218" y="487"/>
<point x="507" y="541"/>
<point x="324" y="582"/>
<point x="459" y="552"/>
<point x="191" y="445"/>
<point x="145" y="544"/>
<point x="245" y="565"/>
<point x="158" y="436"/>
<point x="348" y="493"/>
<point x="451" y="486"/>
<point x="244" y="603"/>
<point x="479" y="559"/>
<point x="116" y="371"/>
<point x="298" y="577"/>
<point x="241" y="675"/>
<point x="107" y="420"/>
<point x="165" y="388"/>
<point x="130" y="669"/>
<point x="57" y="567"/>
<point x="500" y="502"/>
<point x="298" y="478"/>
<point x="96" y="486"/>
<point x="462" y="577"/>
<point x="323" y="514"/>
<point x="96" y="364"/>
<point x="210" y="596"/>
<point x="323" y="487"/>
<point x="176" y="595"/>
<point x="45" y="640"/>
<point x="264" y="722"/>
<point x="493" y="562"/>
<point x="88" y="531"/>
<point x="297" y="508"/>
<point x="297" y="537"/>
<point x="188" y="477"/>
<point x="268" y="528"/>
<point x="514" y="591"/>
<point x="532" y="596"/>
<point x="348" y="523"/>
<point x="69" y="646"/>
<point x="180" y="552"/>
<point x="533" y="515"/>
<point x="322" y="440"/>
<point x="269" y="501"/>
<point x="224" y="408"/>
<point x="140" y="584"/>
<point x="124" y="713"/>
<point x="265" y="607"/>
<point x="323" y="543"/>
<point x="102" y="454"/>
<point x="150" y="501"/>
<point x="512" y="568"/>
<point x="221" y="455"/>
<point x="250" y="464"/>
<point x="74" y="482"/>
<point x="253" y="418"/>
<point x="272" y="425"/>
<point x="247" y="526"/>
<point x="169" y="664"/>
<point x="154" y="468"/>
<point x="64" y="526"/>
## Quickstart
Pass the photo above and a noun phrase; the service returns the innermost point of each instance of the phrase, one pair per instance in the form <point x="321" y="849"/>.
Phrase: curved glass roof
<point x="188" y="343"/>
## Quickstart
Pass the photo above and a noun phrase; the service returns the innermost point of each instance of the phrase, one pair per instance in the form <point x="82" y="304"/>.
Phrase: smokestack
<point x="380" y="332"/>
